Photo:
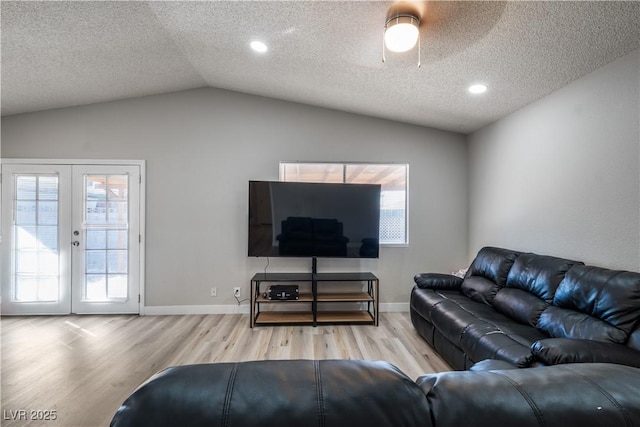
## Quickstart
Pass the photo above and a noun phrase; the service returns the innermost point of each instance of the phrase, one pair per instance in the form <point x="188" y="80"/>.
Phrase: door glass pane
<point x="117" y="212"/>
<point x="96" y="239"/>
<point x="25" y="238"/>
<point x="118" y="188"/>
<point x="96" y="262"/>
<point x="96" y="287"/>
<point x="47" y="213"/>
<point x="26" y="288"/>
<point x="26" y="212"/>
<point x="117" y="262"/>
<point x="36" y="257"/>
<point x="106" y="224"/>
<point x="117" y="286"/>
<point x="48" y="288"/>
<point x="117" y="239"/>
<point x="48" y="188"/>
<point x="48" y="237"/>
<point x="27" y="263"/>
<point x="26" y="187"/>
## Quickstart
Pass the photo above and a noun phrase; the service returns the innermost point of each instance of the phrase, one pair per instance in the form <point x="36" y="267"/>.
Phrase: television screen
<point x="300" y="219"/>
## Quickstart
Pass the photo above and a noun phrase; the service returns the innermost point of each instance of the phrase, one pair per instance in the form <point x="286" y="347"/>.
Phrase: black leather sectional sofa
<point x="512" y="310"/>
<point x="529" y="310"/>
<point x="344" y="393"/>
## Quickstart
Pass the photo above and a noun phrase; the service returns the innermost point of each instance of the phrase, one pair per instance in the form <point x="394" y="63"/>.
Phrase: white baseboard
<point x="156" y="310"/>
<point x="394" y="307"/>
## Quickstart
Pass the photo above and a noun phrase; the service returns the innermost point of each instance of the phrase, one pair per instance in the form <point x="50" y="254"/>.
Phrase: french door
<point x="70" y="238"/>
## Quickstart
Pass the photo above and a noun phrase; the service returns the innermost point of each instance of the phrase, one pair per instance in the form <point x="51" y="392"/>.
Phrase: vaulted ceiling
<point x="327" y="54"/>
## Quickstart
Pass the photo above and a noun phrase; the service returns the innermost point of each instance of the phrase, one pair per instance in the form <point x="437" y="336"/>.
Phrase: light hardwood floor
<point x="83" y="367"/>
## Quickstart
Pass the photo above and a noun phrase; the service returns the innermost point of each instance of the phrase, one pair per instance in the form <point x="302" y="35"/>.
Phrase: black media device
<point x="283" y="292"/>
<point x="299" y="219"/>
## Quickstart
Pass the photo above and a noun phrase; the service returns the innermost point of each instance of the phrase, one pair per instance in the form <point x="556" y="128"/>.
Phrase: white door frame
<point x="141" y="164"/>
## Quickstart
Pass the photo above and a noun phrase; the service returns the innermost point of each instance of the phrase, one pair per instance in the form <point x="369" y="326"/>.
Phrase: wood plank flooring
<point x="83" y="367"/>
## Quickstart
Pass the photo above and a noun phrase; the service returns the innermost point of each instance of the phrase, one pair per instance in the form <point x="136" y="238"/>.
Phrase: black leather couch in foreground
<point x="336" y="393"/>
<point x="529" y="310"/>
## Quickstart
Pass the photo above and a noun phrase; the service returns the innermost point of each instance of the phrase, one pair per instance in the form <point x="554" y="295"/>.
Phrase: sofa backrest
<point x="594" y="303"/>
<point x="531" y="286"/>
<point x="275" y="393"/>
<point x="581" y="394"/>
<point x="488" y="273"/>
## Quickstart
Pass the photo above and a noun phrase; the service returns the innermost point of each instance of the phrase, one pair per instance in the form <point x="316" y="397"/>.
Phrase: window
<point x="392" y="177"/>
<point x="36" y="254"/>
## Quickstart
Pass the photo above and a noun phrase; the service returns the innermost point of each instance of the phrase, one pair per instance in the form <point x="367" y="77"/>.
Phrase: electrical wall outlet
<point x="236" y="292"/>
<point x="214" y="292"/>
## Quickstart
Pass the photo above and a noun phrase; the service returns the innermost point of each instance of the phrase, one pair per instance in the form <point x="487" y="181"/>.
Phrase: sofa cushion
<point x="594" y="303"/>
<point x="484" y="341"/>
<point x="479" y="330"/>
<point x="493" y="263"/>
<point x="424" y="300"/>
<point x="523" y="334"/>
<point x="610" y="295"/>
<point x="562" y="323"/>
<point x="488" y="273"/>
<point x="519" y="305"/>
<point x="503" y="339"/>
<point x="538" y="275"/>
<point x="480" y="289"/>
<point x="531" y="286"/>
<point x="452" y="319"/>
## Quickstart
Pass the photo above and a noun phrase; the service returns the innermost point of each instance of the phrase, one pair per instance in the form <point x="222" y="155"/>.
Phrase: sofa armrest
<point x="555" y="351"/>
<point x="438" y="281"/>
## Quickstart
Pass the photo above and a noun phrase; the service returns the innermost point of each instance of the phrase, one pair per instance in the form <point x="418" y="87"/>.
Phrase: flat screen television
<point x="300" y="219"/>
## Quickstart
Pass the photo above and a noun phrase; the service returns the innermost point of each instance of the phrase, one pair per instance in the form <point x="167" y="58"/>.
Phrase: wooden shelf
<point x="271" y="317"/>
<point x="344" y="317"/>
<point x="344" y="297"/>
<point x="284" y="317"/>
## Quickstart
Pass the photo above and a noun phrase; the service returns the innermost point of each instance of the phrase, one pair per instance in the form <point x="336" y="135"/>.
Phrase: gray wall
<point x="561" y="176"/>
<point x="203" y="146"/>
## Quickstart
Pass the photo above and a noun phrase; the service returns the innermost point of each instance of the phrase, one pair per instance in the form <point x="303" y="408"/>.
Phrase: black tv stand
<point x="307" y="309"/>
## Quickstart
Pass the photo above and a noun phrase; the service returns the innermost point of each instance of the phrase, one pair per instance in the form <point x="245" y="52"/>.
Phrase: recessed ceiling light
<point x="476" y="89"/>
<point x="258" y="46"/>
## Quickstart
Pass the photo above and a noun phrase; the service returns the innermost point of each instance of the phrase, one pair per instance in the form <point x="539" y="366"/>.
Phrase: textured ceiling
<point x="328" y="54"/>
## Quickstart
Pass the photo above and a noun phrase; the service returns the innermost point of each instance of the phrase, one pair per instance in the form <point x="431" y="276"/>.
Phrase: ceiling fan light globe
<point x="401" y="34"/>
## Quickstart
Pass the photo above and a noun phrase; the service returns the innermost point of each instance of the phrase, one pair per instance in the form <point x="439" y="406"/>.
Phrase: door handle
<point x="75" y="243"/>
